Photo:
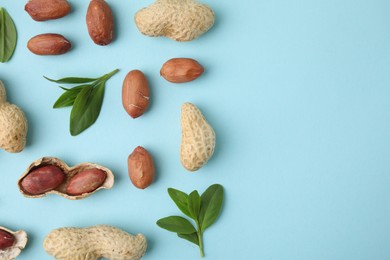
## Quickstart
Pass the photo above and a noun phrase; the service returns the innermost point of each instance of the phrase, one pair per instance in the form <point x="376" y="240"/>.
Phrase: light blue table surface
<point x="297" y="92"/>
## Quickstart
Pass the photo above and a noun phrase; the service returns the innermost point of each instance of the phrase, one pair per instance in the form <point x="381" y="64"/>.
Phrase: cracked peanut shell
<point x="64" y="187"/>
<point x="11" y="243"/>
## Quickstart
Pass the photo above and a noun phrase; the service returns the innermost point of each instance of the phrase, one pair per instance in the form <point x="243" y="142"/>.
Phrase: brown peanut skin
<point x="181" y="70"/>
<point x="6" y="239"/>
<point x="42" y="10"/>
<point x="135" y="93"/>
<point x="100" y="22"/>
<point x="86" y="181"/>
<point x="141" y="168"/>
<point x="49" y="44"/>
<point x="43" y="179"/>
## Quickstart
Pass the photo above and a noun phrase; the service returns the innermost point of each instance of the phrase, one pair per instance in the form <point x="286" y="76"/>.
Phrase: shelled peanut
<point x="135" y="93"/>
<point x="49" y="44"/>
<point x="51" y="175"/>
<point x="181" y="70"/>
<point x="11" y="243"/>
<point x="100" y="22"/>
<point x="141" y="168"/>
<point x="42" y="10"/>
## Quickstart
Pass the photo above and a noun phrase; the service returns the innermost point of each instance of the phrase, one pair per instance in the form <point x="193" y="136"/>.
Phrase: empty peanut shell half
<point x="51" y="175"/>
<point x="11" y="243"/>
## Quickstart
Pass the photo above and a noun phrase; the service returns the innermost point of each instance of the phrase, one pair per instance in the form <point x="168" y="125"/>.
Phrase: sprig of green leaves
<point x="86" y="100"/>
<point x="204" y="210"/>
<point x="8" y="36"/>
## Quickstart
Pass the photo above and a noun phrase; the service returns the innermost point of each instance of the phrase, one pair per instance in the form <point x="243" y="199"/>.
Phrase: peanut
<point x="43" y="179"/>
<point x="78" y="182"/>
<point x="6" y="239"/>
<point x="140" y="167"/>
<point x="135" y="93"/>
<point x="180" y="70"/>
<point x="94" y="243"/>
<point x="100" y="22"/>
<point x="198" y="138"/>
<point x="49" y="44"/>
<point x="42" y="10"/>
<point x="13" y="125"/>
<point x="11" y="243"/>
<point x="86" y="181"/>
<point x="179" y="20"/>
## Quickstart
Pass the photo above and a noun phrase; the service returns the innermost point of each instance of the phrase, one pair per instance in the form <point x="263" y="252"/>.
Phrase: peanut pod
<point x="50" y="175"/>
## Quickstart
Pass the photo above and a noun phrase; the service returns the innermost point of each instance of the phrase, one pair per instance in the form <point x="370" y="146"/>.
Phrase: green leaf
<point x="194" y="204"/>
<point x="74" y="88"/>
<point x="193" y="237"/>
<point x="8" y="36"/>
<point x="211" y="205"/>
<point x="181" y="200"/>
<point x="86" y="108"/>
<point x="176" y="224"/>
<point x="72" y="80"/>
<point x="68" y="97"/>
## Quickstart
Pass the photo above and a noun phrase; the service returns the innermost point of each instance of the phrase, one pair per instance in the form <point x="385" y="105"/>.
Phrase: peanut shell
<point x="19" y="243"/>
<point x="13" y="125"/>
<point x="179" y="20"/>
<point x="198" y="138"/>
<point x="69" y="173"/>
<point x="94" y="243"/>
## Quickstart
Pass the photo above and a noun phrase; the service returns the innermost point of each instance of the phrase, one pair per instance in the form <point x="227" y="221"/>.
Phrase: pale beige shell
<point x="69" y="173"/>
<point x="180" y="20"/>
<point x="20" y="242"/>
<point x="13" y="125"/>
<point x="93" y="243"/>
<point x="198" y="138"/>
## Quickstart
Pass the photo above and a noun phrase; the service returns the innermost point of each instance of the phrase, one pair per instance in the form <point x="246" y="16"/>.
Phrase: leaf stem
<point x="200" y="243"/>
<point x="200" y="238"/>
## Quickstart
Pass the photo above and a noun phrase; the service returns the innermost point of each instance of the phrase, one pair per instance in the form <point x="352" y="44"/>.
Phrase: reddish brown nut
<point x="43" y="179"/>
<point x="100" y="22"/>
<point x="42" y="10"/>
<point x="86" y="181"/>
<point x="135" y="93"/>
<point x="6" y="239"/>
<point x="141" y="167"/>
<point x="180" y="70"/>
<point x="49" y="44"/>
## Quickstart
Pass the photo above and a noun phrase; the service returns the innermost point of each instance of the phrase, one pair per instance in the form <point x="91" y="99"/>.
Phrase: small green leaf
<point x="176" y="224"/>
<point x="181" y="200"/>
<point x="71" y="80"/>
<point x="74" y="88"/>
<point x="86" y="108"/>
<point x="8" y="36"/>
<point x="211" y="205"/>
<point x="68" y="97"/>
<point x="193" y="237"/>
<point x="194" y="204"/>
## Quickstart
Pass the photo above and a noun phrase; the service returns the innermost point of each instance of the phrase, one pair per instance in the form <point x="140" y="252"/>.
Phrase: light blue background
<point x="297" y="92"/>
